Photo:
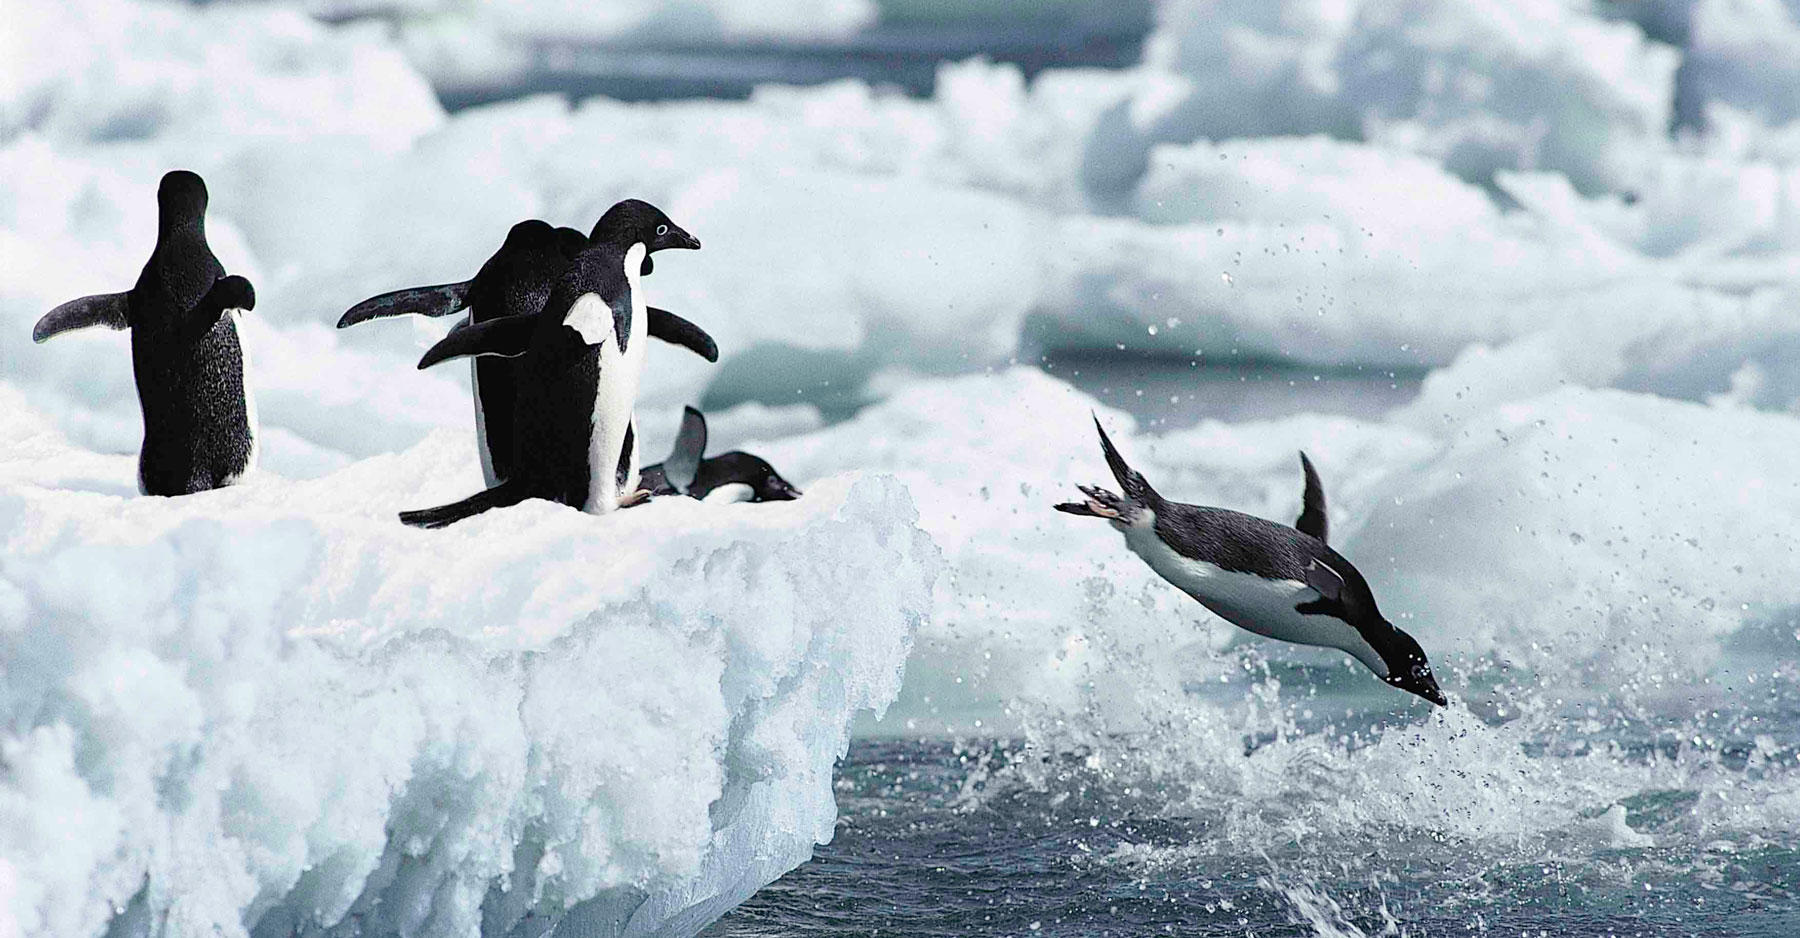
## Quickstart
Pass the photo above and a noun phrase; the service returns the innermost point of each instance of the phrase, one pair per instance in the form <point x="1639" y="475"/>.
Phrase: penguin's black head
<point x="181" y="198"/>
<point x="635" y="221"/>
<point x="770" y="486"/>
<point x="1407" y="667"/>
<point x="739" y="467"/>
<point x="531" y="233"/>
<point x="570" y="242"/>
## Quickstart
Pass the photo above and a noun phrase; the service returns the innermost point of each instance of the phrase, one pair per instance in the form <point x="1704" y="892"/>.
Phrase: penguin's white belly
<point x="482" y="447"/>
<point x="615" y="395"/>
<point x="1250" y="602"/>
<point x="730" y="493"/>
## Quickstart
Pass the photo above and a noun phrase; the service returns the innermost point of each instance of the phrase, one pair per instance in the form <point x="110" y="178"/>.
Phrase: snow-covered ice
<point x="272" y="706"/>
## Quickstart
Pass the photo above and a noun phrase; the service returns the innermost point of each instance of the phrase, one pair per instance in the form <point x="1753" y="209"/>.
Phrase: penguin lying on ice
<point x="736" y="476"/>
<point x="1267" y="578"/>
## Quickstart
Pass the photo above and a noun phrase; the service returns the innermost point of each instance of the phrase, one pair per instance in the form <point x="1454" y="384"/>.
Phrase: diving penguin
<point x="199" y="419"/>
<point x="735" y="476"/>
<point x="1267" y="578"/>
<point x="579" y="360"/>
<point x="517" y="280"/>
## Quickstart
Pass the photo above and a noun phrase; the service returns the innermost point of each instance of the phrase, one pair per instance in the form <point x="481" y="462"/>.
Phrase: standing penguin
<point x="735" y="476"/>
<point x="579" y="359"/>
<point x="1267" y="578"/>
<point x="199" y="420"/>
<point x="515" y="281"/>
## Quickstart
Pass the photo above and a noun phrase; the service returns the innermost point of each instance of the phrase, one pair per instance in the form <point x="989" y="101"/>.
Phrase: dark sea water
<point x="941" y="839"/>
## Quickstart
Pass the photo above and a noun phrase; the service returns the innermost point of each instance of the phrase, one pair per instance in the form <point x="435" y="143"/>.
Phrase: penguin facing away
<point x="186" y="356"/>
<point x="1267" y="578"/>
<point x="517" y="280"/>
<point x="738" y="474"/>
<point x="579" y="359"/>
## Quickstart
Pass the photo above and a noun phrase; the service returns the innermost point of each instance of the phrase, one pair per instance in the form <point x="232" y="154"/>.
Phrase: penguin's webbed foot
<point x="1099" y="504"/>
<point x="637" y="497"/>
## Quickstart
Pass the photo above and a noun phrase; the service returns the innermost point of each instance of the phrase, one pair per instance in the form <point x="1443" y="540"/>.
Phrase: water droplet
<point x="1152" y="329"/>
<point x="1226" y="277"/>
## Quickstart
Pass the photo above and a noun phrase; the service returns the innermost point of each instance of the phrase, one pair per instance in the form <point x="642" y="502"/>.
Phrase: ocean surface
<point x="938" y="838"/>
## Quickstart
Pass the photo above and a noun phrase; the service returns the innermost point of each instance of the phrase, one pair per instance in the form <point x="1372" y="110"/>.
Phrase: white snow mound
<point x="274" y="708"/>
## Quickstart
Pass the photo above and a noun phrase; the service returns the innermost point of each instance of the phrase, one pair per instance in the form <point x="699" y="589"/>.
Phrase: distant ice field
<point x="1520" y="278"/>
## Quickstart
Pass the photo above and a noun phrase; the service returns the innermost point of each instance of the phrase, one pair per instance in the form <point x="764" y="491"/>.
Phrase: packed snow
<point x="272" y="707"/>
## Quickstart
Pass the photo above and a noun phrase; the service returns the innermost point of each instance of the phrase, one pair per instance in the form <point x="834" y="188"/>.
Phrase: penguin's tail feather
<point x="500" y="496"/>
<point x="1131" y="481"/>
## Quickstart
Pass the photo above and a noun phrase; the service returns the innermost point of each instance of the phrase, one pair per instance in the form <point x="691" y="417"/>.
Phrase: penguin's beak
<point x="679" y="238"/>
<point x="1420" y="681"/>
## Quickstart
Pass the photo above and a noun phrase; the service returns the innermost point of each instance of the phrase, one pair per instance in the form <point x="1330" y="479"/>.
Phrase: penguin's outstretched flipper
<point x="1312" y="504"/>
<point x="105" y="309"/>
<point x="507" y="337"/>
<point x="503" y="495"/>
<point x="683" y="463"/>
<point x="440" y="300"/>
<point x="675" y="330"/>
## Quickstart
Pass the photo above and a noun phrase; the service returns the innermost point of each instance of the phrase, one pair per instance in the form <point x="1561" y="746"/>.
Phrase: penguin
<point x="517" y="280"/>
<point x="735" y="476"/>
<point x="187" y="358"/>
<point x="1267" y="578"/>
<point x="579" y="360"/>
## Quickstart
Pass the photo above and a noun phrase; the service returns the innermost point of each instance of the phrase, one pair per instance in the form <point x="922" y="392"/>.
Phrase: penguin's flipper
<point x="683" y="463"/>
<point x="233" y="292"/>
<point x="503" y="495"/>
<point x="105" y="309"/>
<point x="1312" y="504"/>
<point x="440" y="300"/>
<point x="1327" y="582"/>
<point x="675" y="330"/>
<point x="507" y="337"/>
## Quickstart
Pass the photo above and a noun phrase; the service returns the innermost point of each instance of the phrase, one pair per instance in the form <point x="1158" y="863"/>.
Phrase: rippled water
<point x="944" y="839"/>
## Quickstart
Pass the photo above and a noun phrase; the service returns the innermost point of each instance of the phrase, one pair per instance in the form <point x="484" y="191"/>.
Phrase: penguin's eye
<point x="662" y="230"/>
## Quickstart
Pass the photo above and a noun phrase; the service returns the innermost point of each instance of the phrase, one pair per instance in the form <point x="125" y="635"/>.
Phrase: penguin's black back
<point x="197" y="432"/>
<point x="516" y="281"/>
<point x="1241" y="543"/>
